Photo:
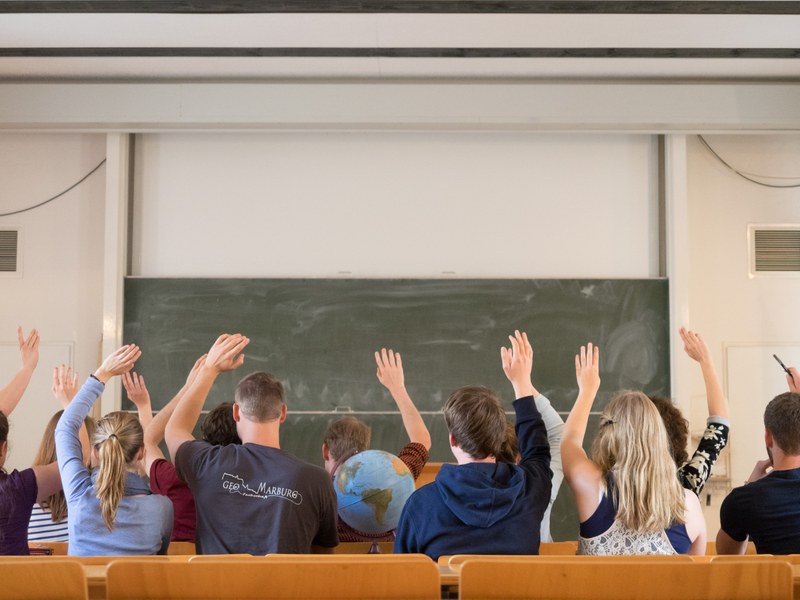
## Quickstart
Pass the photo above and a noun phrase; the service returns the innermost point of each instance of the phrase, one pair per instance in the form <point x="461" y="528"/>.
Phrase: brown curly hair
<point x="677" y="428"/>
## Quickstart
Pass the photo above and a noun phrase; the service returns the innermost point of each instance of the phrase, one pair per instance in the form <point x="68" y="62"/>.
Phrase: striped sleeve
<point x="41" y="527"/>
<point x="415" y="455"/>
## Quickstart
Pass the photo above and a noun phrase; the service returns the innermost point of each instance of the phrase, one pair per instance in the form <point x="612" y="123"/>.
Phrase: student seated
<point x="766" y="510"/>
<point x="693" y="473"/>
<point x="19" y="490"/>
<point x="629" y="500"/>
<point x="349" y="436"/>
<point x="482" y="506"/>
<point x="112" y="511"/>
<point x="252" y="498"/>
<point x="48" y="522"/>
<point x="218" y="428"/>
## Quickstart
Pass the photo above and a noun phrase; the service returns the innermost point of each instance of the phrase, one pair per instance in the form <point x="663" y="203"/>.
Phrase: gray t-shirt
<point x="254" y="499"/>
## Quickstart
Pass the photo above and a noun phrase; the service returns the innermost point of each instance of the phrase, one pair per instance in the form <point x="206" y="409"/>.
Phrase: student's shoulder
<point x="17" y="479"/>
<point x="425" y="495"/>
<point x="192" y="448"/>
<point x="306" y="468"/>
<point x="742" y="496"/>
<point x="159" y="503"/>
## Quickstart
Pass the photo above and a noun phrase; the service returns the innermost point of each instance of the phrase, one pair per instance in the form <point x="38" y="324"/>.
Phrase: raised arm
<point x="534" y="449"/>
<point x="154" y="430"/>
<point x="225" y="355"/>
<point x="65" y="386"/>
<point x="137" y="392"/>
<point x="48" y="478"/>
<point x="696" y="348"/>
<point x="517" y="364"/>
<point x="12" y="393"/>
<point x="582" y="474"/>
<point x="554" y="425"/>
<point x="74" y="473"/>
<point x="390" y="374"/>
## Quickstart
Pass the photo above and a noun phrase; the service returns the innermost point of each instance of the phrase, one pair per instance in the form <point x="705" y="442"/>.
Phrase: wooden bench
<point x="42" y="578"/>
<point x="604" y="579"/>
<point x="329" y="576"/>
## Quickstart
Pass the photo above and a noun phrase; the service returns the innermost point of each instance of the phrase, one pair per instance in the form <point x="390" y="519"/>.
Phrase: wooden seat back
<point x="624" y="580"/>
<point x="558" y="548"/>
<point x="275" y="578"/>
<point x="42" y="578"/>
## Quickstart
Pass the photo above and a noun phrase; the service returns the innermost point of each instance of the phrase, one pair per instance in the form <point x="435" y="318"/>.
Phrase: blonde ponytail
<point x="118" y="437"/>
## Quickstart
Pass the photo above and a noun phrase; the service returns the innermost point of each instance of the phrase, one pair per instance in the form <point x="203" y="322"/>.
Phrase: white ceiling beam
<point x="651" y="107"/>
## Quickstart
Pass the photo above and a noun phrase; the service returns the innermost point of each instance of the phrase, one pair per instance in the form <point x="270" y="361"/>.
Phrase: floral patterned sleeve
<point x="695" y="473"/>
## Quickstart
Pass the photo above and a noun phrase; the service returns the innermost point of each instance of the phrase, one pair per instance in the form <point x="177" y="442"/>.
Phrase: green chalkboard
<point x="319" y="335"/>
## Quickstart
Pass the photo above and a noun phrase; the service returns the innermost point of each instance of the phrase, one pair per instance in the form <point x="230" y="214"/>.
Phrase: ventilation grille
<point x="8" y="251"/>
<point x="777" y="250"/>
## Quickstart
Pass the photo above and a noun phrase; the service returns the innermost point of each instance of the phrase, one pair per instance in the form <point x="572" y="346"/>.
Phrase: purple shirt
<point x="18" y="492"/>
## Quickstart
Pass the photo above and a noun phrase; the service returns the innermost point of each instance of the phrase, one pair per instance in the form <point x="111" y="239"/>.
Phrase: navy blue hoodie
<point x="484" y="508"/>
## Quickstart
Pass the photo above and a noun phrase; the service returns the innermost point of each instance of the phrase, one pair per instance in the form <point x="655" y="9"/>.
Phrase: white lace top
<point x="618" y="540"/>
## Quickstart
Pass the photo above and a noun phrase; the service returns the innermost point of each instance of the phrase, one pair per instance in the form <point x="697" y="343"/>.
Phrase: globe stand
<point x="374" y="549"/>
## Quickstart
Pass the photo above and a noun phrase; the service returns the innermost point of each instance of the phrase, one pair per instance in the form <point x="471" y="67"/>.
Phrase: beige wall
<point x="60" y="288"/>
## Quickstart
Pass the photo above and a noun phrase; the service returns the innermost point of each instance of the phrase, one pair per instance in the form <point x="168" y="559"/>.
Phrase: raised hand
<point x="226" y="353"/>
<point x="762" y="469"/>
<point x="517" y="363"/>
<point x="390" y="369"/>
<point x="390" y="374"/>
<point x="118" y="362"/>
<point x="694" y="345"/>
<point x="137" y="390"/>
<point x="793" y="379"/>
<point x="65" y="385"/>
<point x="198" y="364"/>
<point x="587" y="368"/>
<point x="29" y="349"/>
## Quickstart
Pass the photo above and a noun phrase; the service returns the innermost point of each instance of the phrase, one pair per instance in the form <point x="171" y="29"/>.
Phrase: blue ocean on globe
<point x="372" y="487"/>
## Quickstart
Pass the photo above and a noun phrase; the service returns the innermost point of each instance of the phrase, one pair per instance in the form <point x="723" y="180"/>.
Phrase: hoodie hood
<point x="480" y="494"/>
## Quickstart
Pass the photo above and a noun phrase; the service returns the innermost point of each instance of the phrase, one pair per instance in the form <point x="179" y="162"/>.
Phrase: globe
<point x="372" y="487"/>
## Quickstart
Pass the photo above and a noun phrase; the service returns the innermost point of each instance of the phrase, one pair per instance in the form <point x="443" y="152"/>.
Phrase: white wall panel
<point x="395" y="205"/>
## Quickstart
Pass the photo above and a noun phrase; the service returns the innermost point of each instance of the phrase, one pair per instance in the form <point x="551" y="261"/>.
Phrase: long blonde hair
<point x="632" y="445"/>
<point x="118" y="437"/>
<point x="46" y="454"/>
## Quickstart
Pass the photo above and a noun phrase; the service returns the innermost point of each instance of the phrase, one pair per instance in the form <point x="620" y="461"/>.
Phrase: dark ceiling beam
<point x="681" y="7"/>
<point x="688" y="53"/>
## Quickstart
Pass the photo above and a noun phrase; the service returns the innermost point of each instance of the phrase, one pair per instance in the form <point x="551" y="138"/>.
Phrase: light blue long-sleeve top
<point x="144" y="520"/>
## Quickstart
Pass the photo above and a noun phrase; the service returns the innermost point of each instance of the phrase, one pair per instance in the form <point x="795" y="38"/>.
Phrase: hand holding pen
<point x="792" y="376"/>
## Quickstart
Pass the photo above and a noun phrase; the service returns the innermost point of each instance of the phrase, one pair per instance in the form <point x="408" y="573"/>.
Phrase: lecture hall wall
<point x="390" y="204"/>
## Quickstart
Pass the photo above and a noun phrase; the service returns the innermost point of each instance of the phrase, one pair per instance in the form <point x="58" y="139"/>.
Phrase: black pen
<point x="780" y="362"/>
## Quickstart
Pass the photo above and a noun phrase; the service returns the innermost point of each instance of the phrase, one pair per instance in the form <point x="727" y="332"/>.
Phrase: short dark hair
<point x="476" y="419"/>
<point x="677" y="428"/>
<point x="346" y="437"/>
<point x="782" y="420"/>
<point x="260" y="397"/>
<point x="219" y="428"/>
